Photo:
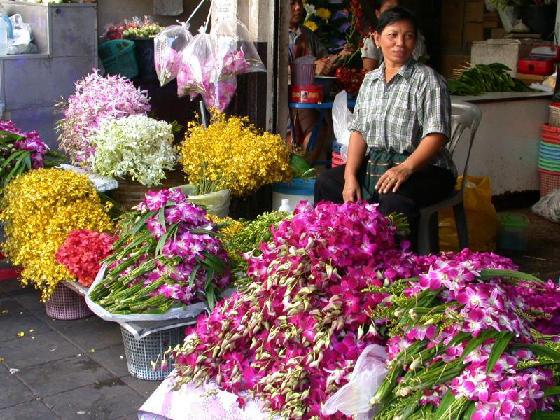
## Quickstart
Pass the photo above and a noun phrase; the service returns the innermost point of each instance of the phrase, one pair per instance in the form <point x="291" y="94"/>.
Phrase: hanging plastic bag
<point x="211" y="63"/>
<point x="342" y="117"/>
<point x="549" y="206"/>
<point x="23" y="37"/>
<point x="482" y="221"/>
<point x="168" y="46"/>
<point x="353" y="398"/>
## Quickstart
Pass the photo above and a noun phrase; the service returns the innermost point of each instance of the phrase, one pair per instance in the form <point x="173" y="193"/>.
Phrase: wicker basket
<point x="131" y="193"/>
<point x="140" y="353"/>
<point x="66" y="305"/>
<point x="554" y="115"/>
<point x="549" y="181"/>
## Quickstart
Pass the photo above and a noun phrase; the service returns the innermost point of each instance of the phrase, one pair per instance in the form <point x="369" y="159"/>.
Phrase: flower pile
<point x="40" y="208"/>
<point x="166" y="256"/>
<point x="136" y="146"/>
<point x="96" y="98"/>
<point x="19" y="152"/>
<point x="133" y="28"/>
<point x="231" y="154"/>
<point x="462" y="343"/>
<point x="82" y="253"/>
<point x="294" y="334"/>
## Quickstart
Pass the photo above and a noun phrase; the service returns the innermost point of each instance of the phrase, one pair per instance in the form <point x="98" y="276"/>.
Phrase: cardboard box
<point x="474" y="11"/>
<point x="473" y="31"/>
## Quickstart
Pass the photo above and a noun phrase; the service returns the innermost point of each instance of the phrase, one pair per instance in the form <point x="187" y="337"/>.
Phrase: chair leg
<point x="434" y="233"/>
<point x="461" y="223"/>
<point x="426" y="234"/>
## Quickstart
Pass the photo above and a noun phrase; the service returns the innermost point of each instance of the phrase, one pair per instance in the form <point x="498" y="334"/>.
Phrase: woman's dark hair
<point x="396" y="14"/>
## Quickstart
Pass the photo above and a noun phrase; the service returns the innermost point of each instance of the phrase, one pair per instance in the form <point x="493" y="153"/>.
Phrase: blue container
<point x="513" y="232"/>
<point x="295" y="191"/>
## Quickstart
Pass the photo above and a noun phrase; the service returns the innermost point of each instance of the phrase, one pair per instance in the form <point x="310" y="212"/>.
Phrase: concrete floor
<point x="77" y="369"/>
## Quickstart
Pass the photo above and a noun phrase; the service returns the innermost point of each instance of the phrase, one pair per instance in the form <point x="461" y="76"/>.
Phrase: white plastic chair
<point x="465" y="121"/>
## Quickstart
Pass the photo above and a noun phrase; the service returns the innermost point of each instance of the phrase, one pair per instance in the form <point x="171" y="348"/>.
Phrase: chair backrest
<point x="465" y="119"/>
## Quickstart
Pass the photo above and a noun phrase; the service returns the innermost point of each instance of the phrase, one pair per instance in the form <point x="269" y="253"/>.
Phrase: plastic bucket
<point x="295" y="191"/>
<point x="118" y="57"/>
<point x="512" y="232"/>
<point x="303" y="73"/>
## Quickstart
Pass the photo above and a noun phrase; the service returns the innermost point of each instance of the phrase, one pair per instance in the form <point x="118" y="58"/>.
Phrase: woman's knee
<point x="396" y="203"/>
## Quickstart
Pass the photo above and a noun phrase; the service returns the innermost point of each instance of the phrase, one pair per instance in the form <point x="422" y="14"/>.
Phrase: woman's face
<point x="397" y="42"/>
<point x="296" y="9"/>
<point x="387" y="4"/>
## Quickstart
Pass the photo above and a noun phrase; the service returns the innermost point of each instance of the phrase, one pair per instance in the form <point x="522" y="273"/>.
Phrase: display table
<point x="506" y="144"/>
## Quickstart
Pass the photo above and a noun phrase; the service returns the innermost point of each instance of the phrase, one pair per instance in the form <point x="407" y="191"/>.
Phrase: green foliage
<point x="485" y="78"/>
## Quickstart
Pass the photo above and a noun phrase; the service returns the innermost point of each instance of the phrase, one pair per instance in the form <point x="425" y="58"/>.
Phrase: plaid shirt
<point x="398" y="115"/>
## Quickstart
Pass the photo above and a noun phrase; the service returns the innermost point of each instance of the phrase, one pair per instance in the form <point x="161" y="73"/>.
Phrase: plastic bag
<point x="216" y="203"/>
<point x="211" y="63"/>
<point x="482" y="221"/>
<point x="168" y="47"/>
<point x="549" y="206"/>
<point x="188" y="311"/>
<point x="23" y="37"/>
<point x="342" y="117"/>
<point x="353" y="398"/>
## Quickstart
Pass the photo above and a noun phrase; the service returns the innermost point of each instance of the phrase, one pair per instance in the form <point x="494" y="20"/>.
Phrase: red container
<point x="307" y="94"/>
<point x="534" y="65"/>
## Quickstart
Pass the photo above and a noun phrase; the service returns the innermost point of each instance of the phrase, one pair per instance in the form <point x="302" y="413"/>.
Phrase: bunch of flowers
<point x="135" y="28"/>
<point x="329" y="21"/>
<point x="166" y="256"/>
<point x="462" y="343"/>
<point x="82" y="253"/>
<point x="294" y="334"/>
<point x="19" y="152"/>
<point x="231" y="154"/>
<point x="40" y="208"/>
<point x="96" y="98"/>
<point x="136" y="146"/>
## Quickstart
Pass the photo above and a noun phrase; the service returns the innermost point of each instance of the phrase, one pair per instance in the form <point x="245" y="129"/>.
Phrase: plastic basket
<point x="67" y="305"/>
<point x="554" y="115"/>
<point x="118" y="57"/>
<point x="548" y="181"/>
<point x="140" y="353"/>
<point x="550" y="134"/>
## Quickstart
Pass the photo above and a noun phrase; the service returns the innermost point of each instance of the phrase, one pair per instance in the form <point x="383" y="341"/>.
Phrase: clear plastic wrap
<point x="212" y="61"/>
<point x="342" y="117"/>
<point x="168" y="47"/>
<point x="549" y="206"/>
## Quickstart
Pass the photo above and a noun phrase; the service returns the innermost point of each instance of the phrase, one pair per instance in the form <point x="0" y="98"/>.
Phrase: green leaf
<point x="210" y="294"/>
<point x="553" y="390"/>
<point x="498" y="349"/>
<point x="192" y="276"/>
<point x="477" y="341"/>
<point x="510" y="274"/>
<point x="214" y="263"/>
<point x="541" y="350"/>
<point x="446" y="402"/>
<point x="161" y="217"/>
<point x="471" y="408"/>
<point x="545" y="415"/>
<point x="161" y="243"/>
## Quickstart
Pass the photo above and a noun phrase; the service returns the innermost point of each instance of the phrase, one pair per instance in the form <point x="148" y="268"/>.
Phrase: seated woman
<point x="371" y="54"/>
<point x="402" y="121"/>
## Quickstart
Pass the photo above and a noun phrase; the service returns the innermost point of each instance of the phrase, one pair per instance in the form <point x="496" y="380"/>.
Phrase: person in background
<point x="402" y="121"/>
<point x="371" y="53"/>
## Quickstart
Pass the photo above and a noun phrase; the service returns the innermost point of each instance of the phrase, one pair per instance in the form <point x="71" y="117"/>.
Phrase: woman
<point x="396" y="154"/>
<point x="371" y="54"/>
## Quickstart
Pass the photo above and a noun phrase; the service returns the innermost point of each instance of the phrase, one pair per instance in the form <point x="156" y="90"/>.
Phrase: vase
<point x="144" y="52"/>
<point x="130" y="193"/>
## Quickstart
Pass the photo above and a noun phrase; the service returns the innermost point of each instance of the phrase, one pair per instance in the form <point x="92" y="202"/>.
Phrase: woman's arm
<point x="356" y="151"/>
<point x="428" y="148"/>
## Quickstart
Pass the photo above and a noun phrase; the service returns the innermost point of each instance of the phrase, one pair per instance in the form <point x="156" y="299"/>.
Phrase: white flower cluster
<point x="136" y="146"/>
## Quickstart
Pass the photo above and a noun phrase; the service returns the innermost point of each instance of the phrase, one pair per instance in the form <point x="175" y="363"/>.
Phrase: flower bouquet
<point x="136" y="27"/>
<point x="21" y="152"/>
<point x="166" y="257"/>
<point x="231" y="154"/>
<point x="464" y="342"/>
<point x="82" y="253"/>
<point x="96" y="98"/>
<point x="40" y="209"/>
<point x="168" y="45"/>
<point x="135" y="146"/>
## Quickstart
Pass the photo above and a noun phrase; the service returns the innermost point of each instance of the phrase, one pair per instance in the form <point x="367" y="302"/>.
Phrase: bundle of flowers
<point x="96" y="99"/>
<point x="231" y="154"/>
<point x="136" y="146"/>
<point x="462" y="343"/>
<point x="329" y="21"/>
<point x="20" y="152"/>
<point x="135" y="28"/>
<point x="82" y="253"/>
<point x="292" y="337"/>
<point x="166" y="256"/>
<point x="40" y="208"/>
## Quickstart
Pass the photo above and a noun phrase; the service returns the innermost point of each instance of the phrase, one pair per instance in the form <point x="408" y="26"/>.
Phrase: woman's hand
<point x="323" y="66"/>
<point x="393" y="178"/>
<point x="352" y="190"/>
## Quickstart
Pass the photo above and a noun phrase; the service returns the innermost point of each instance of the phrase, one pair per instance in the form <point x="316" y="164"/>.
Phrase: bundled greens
<point x="485" y="78"/>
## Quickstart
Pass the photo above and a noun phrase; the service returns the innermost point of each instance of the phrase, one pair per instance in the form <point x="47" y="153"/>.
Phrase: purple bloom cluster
<point x="32" y="143"/>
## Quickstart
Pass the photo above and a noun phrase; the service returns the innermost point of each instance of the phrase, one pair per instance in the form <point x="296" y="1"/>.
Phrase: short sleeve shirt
<point x="398" y="115"/>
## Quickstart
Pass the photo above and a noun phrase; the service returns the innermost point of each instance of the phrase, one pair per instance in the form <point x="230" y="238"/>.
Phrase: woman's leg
<point x="424" y="187"/>
<point x="329" y="185"/>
